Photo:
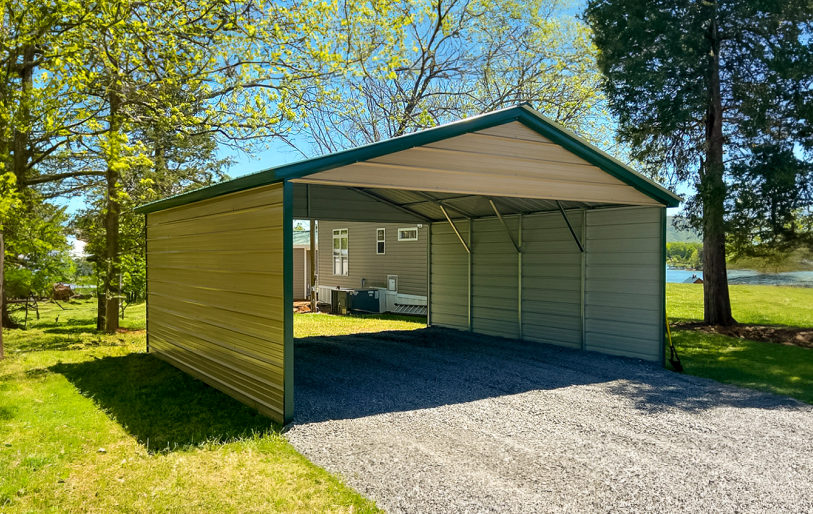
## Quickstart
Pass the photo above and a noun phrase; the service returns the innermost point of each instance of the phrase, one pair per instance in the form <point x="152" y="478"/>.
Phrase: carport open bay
<point x="436" y="420"/>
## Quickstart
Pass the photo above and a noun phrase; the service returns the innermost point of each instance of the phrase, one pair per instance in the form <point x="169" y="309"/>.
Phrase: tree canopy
<point x="715" y="93"/>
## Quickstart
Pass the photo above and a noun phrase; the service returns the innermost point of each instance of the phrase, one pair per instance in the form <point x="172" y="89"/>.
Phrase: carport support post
<point x="471" y="326"/>
<point x="288" y="301"/>
<point x="584" y="278"/>
<point x="429" y="275"/>
<point x="519" y="276"/>
<point x="663" y="285"/>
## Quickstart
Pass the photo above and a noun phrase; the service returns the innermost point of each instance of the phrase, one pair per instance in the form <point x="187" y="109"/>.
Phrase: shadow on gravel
<point x="345" y="377"/>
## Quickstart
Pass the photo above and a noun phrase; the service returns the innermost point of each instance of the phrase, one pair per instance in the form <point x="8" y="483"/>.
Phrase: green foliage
<point x="687" y="255"/>
<point x="419" y="64"/>
<point x="37" y="249"/>
<point x="771" y="209"/>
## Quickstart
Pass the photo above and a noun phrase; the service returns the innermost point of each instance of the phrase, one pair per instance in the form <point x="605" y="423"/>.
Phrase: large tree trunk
<point x="112" y="258"/>
<point x="716" y="302"/>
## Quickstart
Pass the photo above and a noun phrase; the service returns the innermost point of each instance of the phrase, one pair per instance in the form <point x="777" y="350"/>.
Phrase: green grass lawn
<point x="769" y="367"/>
<point x="91" y="423"/>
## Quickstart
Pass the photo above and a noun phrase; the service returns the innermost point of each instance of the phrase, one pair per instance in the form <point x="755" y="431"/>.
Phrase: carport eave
<point x="522" y="113"/>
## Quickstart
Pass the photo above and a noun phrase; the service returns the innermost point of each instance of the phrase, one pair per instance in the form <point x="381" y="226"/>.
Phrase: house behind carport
<point x="533" y="234"/>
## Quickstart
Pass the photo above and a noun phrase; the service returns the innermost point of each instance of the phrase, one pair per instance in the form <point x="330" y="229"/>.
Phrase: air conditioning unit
<point x="340" y="301"/>
<point x="392" y="283"/>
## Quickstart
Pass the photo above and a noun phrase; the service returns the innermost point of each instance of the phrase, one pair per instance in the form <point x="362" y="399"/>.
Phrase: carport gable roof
<point x="523" y="114"/>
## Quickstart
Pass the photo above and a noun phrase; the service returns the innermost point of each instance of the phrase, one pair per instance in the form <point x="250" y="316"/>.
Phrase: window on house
<point x="408" y="234"/>
<point x="380" y="241"/>
<point x="340" y="252"/>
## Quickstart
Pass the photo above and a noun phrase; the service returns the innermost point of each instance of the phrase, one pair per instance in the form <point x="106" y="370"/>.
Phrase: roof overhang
<point x="412" y="163"/>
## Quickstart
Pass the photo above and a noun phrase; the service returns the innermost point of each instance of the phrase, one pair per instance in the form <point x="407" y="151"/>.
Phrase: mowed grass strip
<point x="771" y="367"/>
<point x="756" y="305"/>
<point x="90" y="423"/>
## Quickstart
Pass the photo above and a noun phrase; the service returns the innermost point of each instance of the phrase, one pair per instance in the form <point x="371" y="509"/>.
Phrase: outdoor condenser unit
<point x="340" y="301"/>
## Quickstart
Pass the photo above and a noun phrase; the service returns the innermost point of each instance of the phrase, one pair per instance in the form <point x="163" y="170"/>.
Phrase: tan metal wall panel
<point x="624" y="296"/>
<point x="551" y="287"/>
<point x="495" y="278"/>
<point x="216" y="306"/>
<point x="450" y="277"/>
<point x="407" y="259"/>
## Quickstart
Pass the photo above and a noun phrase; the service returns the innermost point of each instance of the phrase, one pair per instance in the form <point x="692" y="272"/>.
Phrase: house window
<point x="340" y="252"/>
<point x="408" y="234"/>
<point x="380" y="241"/>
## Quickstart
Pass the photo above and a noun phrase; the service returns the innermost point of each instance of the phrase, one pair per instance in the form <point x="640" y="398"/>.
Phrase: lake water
<point x="789" y="278"/>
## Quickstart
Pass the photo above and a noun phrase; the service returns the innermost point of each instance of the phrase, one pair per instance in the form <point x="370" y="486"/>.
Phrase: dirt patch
<point x="766" y="333"/>
<point x="303" y="307"/>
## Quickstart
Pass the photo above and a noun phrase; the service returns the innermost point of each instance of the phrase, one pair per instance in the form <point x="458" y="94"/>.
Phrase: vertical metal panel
<point x="407" y="259"/>
<point x="624" y="289"/>
<point x="552" y="278"/>
<point x="469" y="293"/>
<point x="448" y="306"/>
<point x="583" y="288"/>
<point x="663" y="286"/>
<point x="494" y="277"/>
<point x="219" y="284"/>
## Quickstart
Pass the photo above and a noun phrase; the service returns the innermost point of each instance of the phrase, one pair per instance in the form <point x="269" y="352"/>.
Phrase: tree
<point x="696" y="87"/>
<point x="9" y="202"/>
<point x="428" y="62"/>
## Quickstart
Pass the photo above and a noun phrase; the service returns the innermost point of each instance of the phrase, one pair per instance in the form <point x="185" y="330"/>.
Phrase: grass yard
<point x="91" y="423"/>
<point x="776" y="368"/>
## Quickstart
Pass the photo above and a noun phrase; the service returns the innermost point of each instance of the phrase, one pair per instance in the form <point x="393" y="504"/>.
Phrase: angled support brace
<point x="575" y="237"/>
<point x="441" y="203"/>
<point x="505" y="225"/>
<point x="454" y="227"/>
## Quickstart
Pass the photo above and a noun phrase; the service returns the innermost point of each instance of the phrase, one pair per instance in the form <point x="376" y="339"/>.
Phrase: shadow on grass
<point x="164" y="408"/>
<point x="344" y="377"/>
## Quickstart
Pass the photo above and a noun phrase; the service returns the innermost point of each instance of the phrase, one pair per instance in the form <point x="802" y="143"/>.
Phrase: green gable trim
<point x="522" y="113"/>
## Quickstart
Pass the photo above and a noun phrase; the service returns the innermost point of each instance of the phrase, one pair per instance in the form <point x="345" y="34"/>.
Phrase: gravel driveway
<point x="442" y="421"/>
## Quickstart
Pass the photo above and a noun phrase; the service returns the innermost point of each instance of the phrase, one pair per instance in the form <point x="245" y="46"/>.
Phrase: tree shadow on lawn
<point x="163" y="407"/>
<point x="344" y="377"/>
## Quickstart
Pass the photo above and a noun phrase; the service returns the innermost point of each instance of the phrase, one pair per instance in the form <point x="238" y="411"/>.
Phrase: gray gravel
<point x="442" y="421"/>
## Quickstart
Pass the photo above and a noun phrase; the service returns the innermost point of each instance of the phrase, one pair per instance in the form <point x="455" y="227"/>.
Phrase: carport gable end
<point x="219" y="260"/>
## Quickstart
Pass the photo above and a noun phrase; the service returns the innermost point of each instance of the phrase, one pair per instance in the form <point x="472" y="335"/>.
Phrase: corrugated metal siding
<point x="216" y="305"/>
<point x="624" y="294"/>
<point x="508" y="160"/>
<point x="450" y="277"/>
<point x="495" y="278"/>
<point x="551" y="288"/>
<point x="623" y="291"/>
<point x="407" y="259"/>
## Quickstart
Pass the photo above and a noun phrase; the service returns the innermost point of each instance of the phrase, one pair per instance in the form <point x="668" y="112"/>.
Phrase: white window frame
<point x="381" y="241"/>
<point x="400" y="235"/>
<point x="341" y="254"/>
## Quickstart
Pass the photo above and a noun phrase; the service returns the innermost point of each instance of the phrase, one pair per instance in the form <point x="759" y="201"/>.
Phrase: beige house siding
<point x="407" y="259"/>
<point x="301" y="273"/>
<point x="216" y="293"/>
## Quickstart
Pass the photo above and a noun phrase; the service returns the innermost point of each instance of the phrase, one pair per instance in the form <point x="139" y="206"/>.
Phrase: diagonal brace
<point x="575" y="238"/>
<point x="455" y="229"/>
<point x="505" y="225"/>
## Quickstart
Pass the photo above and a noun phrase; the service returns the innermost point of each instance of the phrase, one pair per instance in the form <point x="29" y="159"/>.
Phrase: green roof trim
<point x="522" y="113"/>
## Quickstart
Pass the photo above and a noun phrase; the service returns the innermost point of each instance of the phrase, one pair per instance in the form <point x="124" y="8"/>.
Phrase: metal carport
<point x="534" y="234"/>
